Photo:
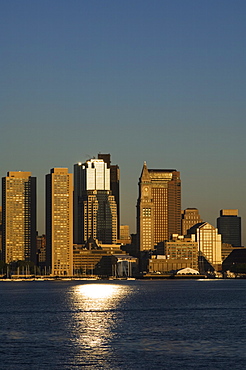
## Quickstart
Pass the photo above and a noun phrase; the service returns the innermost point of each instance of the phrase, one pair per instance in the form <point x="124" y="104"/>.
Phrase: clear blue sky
<point x="145" y="80"/>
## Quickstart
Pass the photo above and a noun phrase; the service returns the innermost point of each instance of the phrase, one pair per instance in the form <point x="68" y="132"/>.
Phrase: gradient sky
<point x="161" y="81"/>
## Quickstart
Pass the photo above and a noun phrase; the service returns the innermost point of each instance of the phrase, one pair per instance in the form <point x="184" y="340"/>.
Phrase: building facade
<point x="180" y="248"/>
<point x="114" y="184"/>
<point x="59" y="222"/>
<point x="229" y="226"/>
<point x="19" y="217"/>
<point x="158" y="206"/>
<point x="189" y="218"/>
<point x="209" y="243"/>
<point x="125" y="237"/>
<point x="95" y="208"/>
<point x="41" y="251"/>
<point x="85" y="260"/>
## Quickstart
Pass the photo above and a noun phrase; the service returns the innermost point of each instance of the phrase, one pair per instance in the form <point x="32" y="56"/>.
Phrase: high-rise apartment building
<point x="95" y="208"/>
<point x="59" y="222"/>
<point x="19" y="216"/>
<point x="158" y="206"/>
<point x="229" y="226"/>
<point x="189" y="217"/>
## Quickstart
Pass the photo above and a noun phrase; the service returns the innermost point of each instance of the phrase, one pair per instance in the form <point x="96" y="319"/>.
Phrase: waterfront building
<point x="19" y="217"/>
<point x="161" y="264"/>
<point x="236" y="261"/>
<point x="179" y="247"/>
<point x="59" y="222"/>
<point x="95" y="208"/>
<point x="87" y="257"/>
<point x="158" y="206"/>
<point x="229" y="226"/>
<point x="118" y="266"/>
<point x="209" y="243"/>
<point x="189" y="217"/>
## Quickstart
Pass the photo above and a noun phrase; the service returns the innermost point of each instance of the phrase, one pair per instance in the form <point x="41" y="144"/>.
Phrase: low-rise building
<point x="85" y="258"/>
<point x="174" y="254"/>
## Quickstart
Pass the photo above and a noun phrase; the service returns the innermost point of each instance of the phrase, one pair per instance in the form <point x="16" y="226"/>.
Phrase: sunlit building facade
<point x="180" y="248"/>
<point x="59" y="222"/>
<point x="158" y="206"/>
<point x="19" y="216"/>
<point x="125" y="237"/>
<point x="189" y="218"/>
<point x="209" y="243"/>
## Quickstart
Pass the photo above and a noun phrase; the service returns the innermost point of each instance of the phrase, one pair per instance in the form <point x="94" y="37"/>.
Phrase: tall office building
<point x="229" y="226"/>
<point x="189" y="217"/>
<point x="95" y="208"/>
<point x="158" y="206"/>
<point x="209" y="242"/>
<point x="59" y="222"/>
<point x="114" y="184"/>
<point x="19" y="216"/>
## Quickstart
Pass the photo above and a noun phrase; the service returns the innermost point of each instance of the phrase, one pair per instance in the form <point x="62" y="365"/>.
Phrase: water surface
<point x="177" y="324"/>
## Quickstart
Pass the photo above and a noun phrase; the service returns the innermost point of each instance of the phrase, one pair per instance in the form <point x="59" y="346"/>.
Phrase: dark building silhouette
<point x="229" y="226"/>
<point x="236" y="261"/>
<point x="114" y="184"/>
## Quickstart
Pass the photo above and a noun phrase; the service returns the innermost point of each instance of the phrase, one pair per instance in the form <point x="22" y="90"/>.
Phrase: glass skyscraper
<point x="95" y="208"/>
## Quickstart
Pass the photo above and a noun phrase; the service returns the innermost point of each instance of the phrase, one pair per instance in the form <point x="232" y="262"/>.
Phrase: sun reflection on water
<point x="96" y="316"/>
<point x="98" y="291"/>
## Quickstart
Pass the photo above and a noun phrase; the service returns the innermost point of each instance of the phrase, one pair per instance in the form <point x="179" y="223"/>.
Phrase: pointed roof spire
<point x="145" y="173"/>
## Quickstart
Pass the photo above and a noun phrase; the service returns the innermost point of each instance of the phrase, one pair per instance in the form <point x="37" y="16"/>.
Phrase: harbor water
<point x="162" y="324"/>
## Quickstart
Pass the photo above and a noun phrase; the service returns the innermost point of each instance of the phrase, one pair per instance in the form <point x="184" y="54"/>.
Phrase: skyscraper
<point x="114" y="184"/>
<point x="59" y="221"/>
<point x="19" y="216"/>
<point x="189" y="217"/>
<point x="95" y="208"/>
<point x="229" y="226"/>
<point x="158" y="206"/>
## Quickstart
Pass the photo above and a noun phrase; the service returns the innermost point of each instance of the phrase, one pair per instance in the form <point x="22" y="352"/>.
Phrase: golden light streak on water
<point x="95" y="306"/>
<point x="98" y="291"/>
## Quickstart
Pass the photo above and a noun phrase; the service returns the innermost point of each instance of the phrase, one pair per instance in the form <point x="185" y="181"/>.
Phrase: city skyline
<point x="134" y="230"/>
<point x="161" y="82"/>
